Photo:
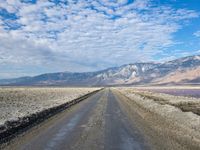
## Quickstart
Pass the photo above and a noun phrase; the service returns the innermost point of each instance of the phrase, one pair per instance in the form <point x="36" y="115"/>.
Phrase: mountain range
<point x="184" y="70"/>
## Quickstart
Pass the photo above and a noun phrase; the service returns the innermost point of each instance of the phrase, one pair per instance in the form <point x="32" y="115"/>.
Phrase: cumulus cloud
<point x="86" y="35"/>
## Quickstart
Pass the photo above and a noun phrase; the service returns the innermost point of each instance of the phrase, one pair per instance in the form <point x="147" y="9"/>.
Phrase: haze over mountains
<point x="180" y="71"/>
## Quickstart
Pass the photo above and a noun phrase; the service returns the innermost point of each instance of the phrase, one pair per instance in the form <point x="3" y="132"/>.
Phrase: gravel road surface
<point x="98" y="122"/>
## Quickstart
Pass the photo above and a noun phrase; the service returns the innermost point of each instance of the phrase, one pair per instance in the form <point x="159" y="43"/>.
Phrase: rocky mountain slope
<point x="180" y="71"/>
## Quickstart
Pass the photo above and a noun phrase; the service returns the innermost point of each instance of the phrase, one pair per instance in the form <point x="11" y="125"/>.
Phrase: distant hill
<point x="180" y="71"/>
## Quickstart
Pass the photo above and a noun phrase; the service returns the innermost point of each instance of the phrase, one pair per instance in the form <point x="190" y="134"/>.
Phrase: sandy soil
<point x="19" y="102"/>
<point x="161" y="118"/>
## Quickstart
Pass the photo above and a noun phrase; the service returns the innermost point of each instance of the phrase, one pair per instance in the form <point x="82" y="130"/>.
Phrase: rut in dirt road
<point x="93" y="124"/>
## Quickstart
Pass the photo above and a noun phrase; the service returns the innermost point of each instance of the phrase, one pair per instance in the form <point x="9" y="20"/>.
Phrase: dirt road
<point x="93" y="124"/>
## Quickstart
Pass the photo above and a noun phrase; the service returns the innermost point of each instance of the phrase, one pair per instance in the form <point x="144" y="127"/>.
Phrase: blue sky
<point x="39" y="36"/>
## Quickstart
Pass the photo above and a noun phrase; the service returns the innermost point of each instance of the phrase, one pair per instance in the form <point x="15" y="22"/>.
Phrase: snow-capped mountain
<point x="125" y="74"/>
<point x="183" y="70"/>
<point x="180" y="71"/>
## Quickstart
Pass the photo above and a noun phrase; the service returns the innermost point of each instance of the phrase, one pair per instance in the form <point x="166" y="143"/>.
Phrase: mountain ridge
<point x="183" y="70"/>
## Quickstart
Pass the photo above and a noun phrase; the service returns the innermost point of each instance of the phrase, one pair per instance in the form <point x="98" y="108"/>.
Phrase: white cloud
<point x="197" y="34"/>
<point x="88" y="35"/>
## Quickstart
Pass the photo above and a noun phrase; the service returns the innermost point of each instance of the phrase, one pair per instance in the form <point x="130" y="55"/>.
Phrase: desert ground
<point x="174" y="118"/>
<point x="20" y="104"/>
<point x="113" y="118"/>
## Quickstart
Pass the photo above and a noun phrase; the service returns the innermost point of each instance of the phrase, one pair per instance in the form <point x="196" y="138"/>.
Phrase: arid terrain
<point x="19" y="105"/>
<point x="162" y="116"/>
<point x="123" y="118"/>
<point x="99" y="74"/>
<point x="19" y="102"/>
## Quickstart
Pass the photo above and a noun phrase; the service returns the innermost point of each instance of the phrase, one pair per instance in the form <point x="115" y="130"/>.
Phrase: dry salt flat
<point x="20" y="102"/>
<point x="181" y="113"/>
